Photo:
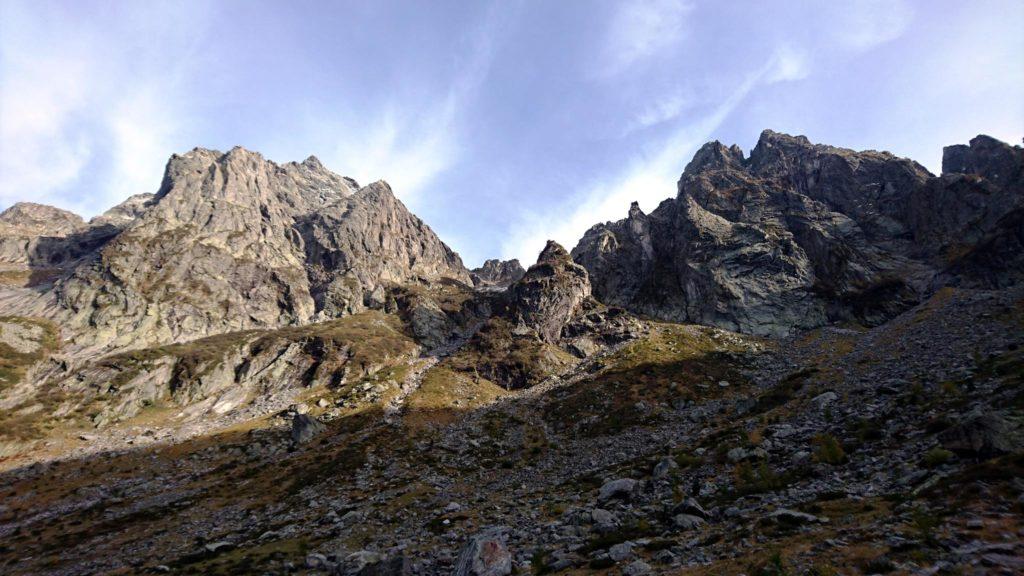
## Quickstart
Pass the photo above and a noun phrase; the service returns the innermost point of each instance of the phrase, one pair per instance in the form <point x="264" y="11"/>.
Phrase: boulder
<point x="690" y="506"/>
<point x="621" y="488"/>
<point x="621" y="551"/>
<point x="484" y="555"/>
<point x="305" y="427"/>
<point x="983" y="434"/>
<point x="637" y="568"/>
<point x="663" y="468"/>
<point x="687" y="521"/>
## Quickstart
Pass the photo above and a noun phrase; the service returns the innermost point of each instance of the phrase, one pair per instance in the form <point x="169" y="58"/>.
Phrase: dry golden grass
<point x="444" y="394"/>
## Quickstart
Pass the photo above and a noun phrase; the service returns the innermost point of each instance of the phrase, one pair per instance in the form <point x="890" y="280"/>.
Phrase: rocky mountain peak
<point x="243" y="176"/>
<point x="313" y="163"/>
<point x="715" y="155"/>
<point x="235" y="241"/>
<point x="126" y="212"/>
<point x="553" y="253"/>
<point x="801" y="234"/>
<point x="497" y="274"/>
<point x="31" y="219"/>
<point x="986" y="157"/>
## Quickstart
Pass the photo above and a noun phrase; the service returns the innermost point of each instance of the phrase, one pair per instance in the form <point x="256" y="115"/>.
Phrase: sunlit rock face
<point x="231" y="241"/>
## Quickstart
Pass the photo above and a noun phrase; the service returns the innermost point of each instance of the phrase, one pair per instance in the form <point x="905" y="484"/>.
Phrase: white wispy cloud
<point x="641" y="29"/>
<point x="74" y="102"/>
<point x="661" y="110"/>
<point x="864" y="24"/>
<point x="142" y="126"/>
<point x="648" y="178"/>
<point x="788" y="64"/>
<point x="39" y="98"/>
<point x="408" y="145"/>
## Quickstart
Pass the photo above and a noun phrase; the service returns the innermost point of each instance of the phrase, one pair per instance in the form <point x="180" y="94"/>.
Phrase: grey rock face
<point x="800" y="234"/>
<point x="542" y="324"/>
<point x="233" y="241"/>
<point x="497" y="274"/>
<point x="126" y="212"/>
<point x="988" y="250"/>
<point x="366" y="241"/>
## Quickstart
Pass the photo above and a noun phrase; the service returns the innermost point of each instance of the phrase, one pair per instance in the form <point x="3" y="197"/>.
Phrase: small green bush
<point x="936" y="457"/>
<point x="685" y="460"/>
<point x="829" y="450"/>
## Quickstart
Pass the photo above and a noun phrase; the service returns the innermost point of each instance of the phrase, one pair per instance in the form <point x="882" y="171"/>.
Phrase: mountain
<point x="809" y="361"/>
<point x="172" y="296"/>
<point x="232" y="241"/>
<point x="800" y="235"/>
<point x="497" y="274"/>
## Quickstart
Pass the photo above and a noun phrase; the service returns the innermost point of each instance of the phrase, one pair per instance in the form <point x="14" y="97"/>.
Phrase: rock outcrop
<point x="543" y="324"/>
<point x="799" y="235"/>
<point x="126" y="212"/>
<point x="549" y="294"/>
<point x="497" y="274"/>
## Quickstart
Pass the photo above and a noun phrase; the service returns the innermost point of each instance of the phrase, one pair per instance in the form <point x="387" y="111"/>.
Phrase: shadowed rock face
<point x="233" y="241"/>
<point x="800" y="234"/>
<point x="497" y="274"/>
<point x="38" y="242"/>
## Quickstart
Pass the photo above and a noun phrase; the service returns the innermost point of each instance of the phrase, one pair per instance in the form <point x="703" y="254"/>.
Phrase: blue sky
<point x="501" y="124"/>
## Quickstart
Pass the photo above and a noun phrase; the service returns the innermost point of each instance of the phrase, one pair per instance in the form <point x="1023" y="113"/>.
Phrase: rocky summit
<point x="809" y="361"/>
<point x="499" y="274"/>
<point x="801" y="235"/>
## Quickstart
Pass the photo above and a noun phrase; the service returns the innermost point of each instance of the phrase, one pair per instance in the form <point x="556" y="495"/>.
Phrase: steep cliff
<point x="799" y="235"/>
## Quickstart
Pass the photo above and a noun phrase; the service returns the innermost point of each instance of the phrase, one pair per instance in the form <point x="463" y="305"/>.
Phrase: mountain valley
<point x="810" y="360"/>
